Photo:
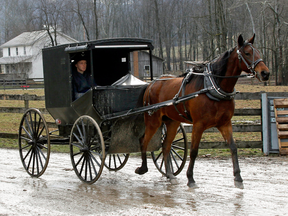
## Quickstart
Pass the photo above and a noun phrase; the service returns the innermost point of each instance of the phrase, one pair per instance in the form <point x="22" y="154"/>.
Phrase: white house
<point x="22" y="55"/>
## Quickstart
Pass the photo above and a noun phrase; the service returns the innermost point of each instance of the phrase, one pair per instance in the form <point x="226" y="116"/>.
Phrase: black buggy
<point x="103" y="126"/>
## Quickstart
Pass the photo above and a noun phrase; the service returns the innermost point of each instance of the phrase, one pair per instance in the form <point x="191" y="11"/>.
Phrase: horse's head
<point x="250" y="60"/>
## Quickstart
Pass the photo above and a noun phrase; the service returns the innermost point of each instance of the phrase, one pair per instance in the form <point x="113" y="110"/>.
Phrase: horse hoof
<point x="192" y="185"/>
<point x="239" y="184"/>
<point x="238" y="179"/>
<point x="174" y="181"/>
<point x="141" y="171"/>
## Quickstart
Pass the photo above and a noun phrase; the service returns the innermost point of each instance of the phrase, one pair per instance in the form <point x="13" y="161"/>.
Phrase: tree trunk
<point x="96" y="19"/>
<point x="158" y="28"/>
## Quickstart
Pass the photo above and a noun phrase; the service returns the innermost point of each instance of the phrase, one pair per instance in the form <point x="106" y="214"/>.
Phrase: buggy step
<point x="59" y="141"/>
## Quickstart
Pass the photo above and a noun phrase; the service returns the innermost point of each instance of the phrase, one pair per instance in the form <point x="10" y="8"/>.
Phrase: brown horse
<point x="214" y="108"/>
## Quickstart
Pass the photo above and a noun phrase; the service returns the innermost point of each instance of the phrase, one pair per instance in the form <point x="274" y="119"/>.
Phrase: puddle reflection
<point x="238" y="203"/>
<point x="36" y="184"/>
<point x="160" y="195"/>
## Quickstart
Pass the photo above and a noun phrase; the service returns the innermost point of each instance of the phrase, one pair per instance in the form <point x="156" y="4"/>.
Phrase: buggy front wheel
<point x="87" y="149"/>
<point x="34" y="142"/>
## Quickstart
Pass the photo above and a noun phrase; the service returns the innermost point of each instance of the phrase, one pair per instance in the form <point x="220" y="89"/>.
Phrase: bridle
<point x="254" y="63"/>
<point x="250" y="66"/>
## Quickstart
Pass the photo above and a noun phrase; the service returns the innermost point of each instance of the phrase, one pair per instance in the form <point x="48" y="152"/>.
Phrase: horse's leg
<point x="197" y="132"/>
<point x="226" y="131"/>
<point x="172" y="127"/>
<point x="150" y="129"/>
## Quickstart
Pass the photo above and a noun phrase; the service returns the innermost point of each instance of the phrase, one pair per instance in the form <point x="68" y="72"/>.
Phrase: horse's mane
<point x="219" y="65"/>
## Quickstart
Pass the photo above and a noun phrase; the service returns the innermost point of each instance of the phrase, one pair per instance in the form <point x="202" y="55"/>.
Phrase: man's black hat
<point x="78" y="57"/>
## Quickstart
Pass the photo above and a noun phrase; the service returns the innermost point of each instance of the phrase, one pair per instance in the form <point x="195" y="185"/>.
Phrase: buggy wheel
<point x="87" y="149"/>
<point x="34" y="142"/>
<point x="115" y="162"/>
<point x="178" y="152"/>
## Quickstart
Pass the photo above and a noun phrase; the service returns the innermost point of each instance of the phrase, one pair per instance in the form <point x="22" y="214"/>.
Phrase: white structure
<point x="22" y="55"/>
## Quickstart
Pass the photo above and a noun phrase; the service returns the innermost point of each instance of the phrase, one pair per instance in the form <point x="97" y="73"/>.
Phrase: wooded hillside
<point x="181" y="29"/>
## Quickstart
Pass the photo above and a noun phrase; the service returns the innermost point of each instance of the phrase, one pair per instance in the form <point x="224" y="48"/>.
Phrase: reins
<point x="218" y="76"/>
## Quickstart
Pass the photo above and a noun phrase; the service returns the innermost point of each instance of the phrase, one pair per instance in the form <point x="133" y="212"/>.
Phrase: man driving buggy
<point x="82" y="80"/>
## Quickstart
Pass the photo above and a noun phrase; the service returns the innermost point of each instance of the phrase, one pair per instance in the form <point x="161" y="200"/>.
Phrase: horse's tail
<point x="141" y="96"/>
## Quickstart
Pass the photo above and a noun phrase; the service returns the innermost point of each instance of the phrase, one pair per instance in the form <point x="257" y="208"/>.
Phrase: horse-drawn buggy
<point x="105" y="124"/>
<point x="121" y="114"/>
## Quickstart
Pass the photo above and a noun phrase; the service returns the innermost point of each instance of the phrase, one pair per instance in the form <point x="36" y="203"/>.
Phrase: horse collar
<point x="215" y="92"/>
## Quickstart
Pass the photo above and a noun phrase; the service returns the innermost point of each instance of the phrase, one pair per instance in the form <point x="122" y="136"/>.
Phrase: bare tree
<point x="50" y="14"/>
<point x="181" y="29"/>
<point x="159" y="30"/>
<point x="96" y="19"/>
<point x="80" y="12"/>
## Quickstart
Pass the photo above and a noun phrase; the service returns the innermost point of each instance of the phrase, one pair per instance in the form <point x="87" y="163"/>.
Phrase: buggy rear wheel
<point x="178" y="152"/>
<point x="115" y="162"/>
<point x="87" y="149"/>
<point x="34" y="142"/>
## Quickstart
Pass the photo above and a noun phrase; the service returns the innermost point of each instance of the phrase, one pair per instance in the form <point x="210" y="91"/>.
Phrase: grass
<point x="8" y="143"/>
<point x="225" y="153"/>
<point x="9" y="122"/>
<point x="38" y="92"/>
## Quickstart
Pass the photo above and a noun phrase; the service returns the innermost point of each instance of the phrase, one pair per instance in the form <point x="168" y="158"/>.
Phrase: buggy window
<point x="109" y="65"/>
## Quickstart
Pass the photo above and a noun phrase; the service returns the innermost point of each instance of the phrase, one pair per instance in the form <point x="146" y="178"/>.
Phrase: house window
<point x="9" y="51"/>
<point x="17" y="51"/>
<point x="146" y="70"/>
<point x="24" y="50"/>
<point x="7" y="69"/>
<point x="13" y="68"/>
<point x="147" y="67"/>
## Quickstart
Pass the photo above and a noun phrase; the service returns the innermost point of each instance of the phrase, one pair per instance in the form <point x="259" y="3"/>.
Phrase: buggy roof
<point x="124" y="43"/>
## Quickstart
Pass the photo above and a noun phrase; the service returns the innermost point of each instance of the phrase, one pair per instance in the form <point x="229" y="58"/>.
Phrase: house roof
<point x="15" y="59"/>
<point x="153" y="56"/>
<point x="29" y="38"/>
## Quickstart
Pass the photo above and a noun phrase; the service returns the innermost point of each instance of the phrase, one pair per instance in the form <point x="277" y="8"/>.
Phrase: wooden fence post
<point x="26" y="101"/>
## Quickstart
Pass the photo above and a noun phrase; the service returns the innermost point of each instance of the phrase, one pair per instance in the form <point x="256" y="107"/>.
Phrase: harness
<point x="215" y="92"/>
<point x="211" y="88"/>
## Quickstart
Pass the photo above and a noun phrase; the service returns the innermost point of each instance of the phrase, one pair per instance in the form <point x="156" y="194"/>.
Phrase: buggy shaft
<point x="152" y="107"/>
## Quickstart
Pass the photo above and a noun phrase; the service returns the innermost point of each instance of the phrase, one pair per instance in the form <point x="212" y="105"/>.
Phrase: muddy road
<point x="60" y="192"/>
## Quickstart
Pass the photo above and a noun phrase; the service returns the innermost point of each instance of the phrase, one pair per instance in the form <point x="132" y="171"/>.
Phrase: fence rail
<point x="254" y="127"/>
<point x="21" y="83"/>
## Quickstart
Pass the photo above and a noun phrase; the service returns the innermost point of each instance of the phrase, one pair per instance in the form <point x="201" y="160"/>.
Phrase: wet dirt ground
<point x="59" y="192"/>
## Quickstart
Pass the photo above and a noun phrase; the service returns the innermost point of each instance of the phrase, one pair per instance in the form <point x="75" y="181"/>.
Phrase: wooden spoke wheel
<point x="87" y="149"/>
<point x="115" y="162"/>
<point x="34" y="142"/>
<point x="178" y="152"/>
